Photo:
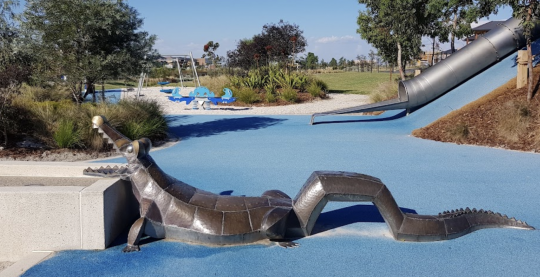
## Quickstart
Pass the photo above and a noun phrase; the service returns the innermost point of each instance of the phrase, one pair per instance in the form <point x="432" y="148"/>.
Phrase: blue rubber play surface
<point x="246" y="155"/>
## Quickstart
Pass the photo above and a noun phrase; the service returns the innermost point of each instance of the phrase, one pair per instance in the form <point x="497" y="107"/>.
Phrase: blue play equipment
<point x="203" y="96"/>
<point x="164" y="90"/>
<point x="226" y="98"/>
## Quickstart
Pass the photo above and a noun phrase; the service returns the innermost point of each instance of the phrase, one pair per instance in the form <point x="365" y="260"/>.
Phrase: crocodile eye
<point x="130" y="149"/>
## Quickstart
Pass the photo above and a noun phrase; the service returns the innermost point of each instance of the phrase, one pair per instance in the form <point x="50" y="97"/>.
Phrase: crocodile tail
<point x="114" y="137"/>
<point x="108" y="172"/>
<point x="453" y="224"/>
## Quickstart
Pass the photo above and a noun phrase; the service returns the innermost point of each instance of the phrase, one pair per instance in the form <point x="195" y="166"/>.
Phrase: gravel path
<point x="333" y="102"/>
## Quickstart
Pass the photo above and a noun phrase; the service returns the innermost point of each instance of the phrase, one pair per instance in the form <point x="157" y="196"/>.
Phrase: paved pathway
<point x="250" y="154"/>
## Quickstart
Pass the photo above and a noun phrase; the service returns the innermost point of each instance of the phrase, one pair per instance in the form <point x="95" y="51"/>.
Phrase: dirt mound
<point x="502" y="119"/>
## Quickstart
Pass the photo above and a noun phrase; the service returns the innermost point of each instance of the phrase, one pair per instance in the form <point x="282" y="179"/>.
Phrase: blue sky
<point x="183" y="26"/>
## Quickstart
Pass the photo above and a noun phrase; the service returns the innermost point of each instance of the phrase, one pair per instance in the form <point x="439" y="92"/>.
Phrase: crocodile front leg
<point x="134" y="236"/>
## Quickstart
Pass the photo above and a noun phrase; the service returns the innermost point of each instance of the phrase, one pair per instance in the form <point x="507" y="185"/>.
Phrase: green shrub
<point x="67" y="135"/>
<point x="290" y="95"/>
<point x="314" y="90"/>
<point x="255" y="80"/>
<point x="322" y="84"/>
<point x="270" y="96"/>
<point x="65" y="124"/>
<point x="247" y="96"/>
<point x="147" y="127"/>
<point x="236" y="81"/>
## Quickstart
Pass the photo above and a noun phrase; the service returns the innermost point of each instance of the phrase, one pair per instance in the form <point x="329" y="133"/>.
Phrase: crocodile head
<point x="133" y="151"/>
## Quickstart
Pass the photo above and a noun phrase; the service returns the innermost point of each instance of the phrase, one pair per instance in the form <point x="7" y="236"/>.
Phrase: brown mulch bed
<point x="479" y="122"/>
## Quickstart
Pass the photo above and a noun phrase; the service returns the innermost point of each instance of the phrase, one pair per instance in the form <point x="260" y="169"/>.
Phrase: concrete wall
<point x="45" y="218"/>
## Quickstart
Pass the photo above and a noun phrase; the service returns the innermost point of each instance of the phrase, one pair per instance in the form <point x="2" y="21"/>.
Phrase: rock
<point x="29" y="142"/>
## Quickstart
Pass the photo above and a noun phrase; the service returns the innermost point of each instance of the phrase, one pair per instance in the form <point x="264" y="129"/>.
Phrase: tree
<point x="87" y="40"/>
<point x="456" y="17"/>
<point x="14" y="67"/>
<point x="323" y="63"/>
<point x="311" y="61"/>
<point x="528" y="12"/>
<point x="277" y="42"/>
<point x="361" y="62"/>
<point x="333" y="63"/>
<point x="394" y="28"/>
<point x="342" y="62"/>
<point x="437" y="25"/>
<point x="372" y="55"/>
<point x="210" y="51"/>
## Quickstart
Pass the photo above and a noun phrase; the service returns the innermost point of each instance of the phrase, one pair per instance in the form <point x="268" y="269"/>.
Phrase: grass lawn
<point x="343" y="82"/>
<point x="353" y="82"/>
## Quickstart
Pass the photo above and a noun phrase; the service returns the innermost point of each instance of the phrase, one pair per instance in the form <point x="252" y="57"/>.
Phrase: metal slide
<point x="437" y="80"/>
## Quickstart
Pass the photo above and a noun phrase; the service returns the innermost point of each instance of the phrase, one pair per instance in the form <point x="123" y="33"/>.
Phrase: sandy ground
<point x="333" y="102"/>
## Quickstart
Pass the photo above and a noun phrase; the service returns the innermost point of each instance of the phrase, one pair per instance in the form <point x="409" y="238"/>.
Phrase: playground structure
<point x="202" y="96"/>
<point x="452" y="71"/>
<point x="180" y="76"/>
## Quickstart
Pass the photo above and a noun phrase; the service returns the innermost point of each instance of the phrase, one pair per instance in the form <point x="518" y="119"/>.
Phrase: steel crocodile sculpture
<point x="172" y="209"/>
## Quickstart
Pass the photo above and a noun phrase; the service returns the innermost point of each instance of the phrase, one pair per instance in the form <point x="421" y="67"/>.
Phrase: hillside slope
<point x="502" y="118"/>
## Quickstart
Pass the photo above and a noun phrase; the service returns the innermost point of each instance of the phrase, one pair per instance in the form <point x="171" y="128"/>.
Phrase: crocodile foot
<point x="131" y="248"/>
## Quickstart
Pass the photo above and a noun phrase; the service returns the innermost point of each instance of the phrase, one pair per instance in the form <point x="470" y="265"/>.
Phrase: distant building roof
<point x="487" y="26"/>
<point x="482" y="29"/>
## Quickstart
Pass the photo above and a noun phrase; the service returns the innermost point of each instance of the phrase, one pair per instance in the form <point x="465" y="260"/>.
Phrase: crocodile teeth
<point x="467" y="210"/>
<point x="474" y="210"/>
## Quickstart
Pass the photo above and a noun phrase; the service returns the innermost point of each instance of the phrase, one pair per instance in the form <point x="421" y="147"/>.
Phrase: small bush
<point x="323" y="85"/>
<point x="39" y="94"/>
<point x="270" y="97"/>
<point x="314" y="90"/>
<point x="290" y="95"/>
<point x="385" y="91"/>
<point x="460" y="131"/>
<point x="148" y="127"/>
<point x="513" y="120"/>
<point x="67" y="135"/>
<point x="247" y="96"/>
<point x="65" y="124"/>
<point x="215" y="84"/>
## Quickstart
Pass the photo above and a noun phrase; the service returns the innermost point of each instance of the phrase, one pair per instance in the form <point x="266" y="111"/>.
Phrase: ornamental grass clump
<point x="314" y="90"/>
<point x="289" y="94"/>
<point x="67" y="134"/>
<point x="65" y="124"/>
<point x="247" y="95"/>
<point x="385" y="91"/>
<point x="513" y="120"/>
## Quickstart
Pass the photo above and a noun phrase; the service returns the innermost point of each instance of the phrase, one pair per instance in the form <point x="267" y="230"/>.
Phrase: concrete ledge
<point x="45" y="169"/>
<point x="20" y="267"/>
<point x="52" y="218"/>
